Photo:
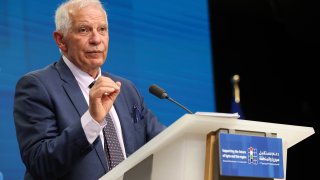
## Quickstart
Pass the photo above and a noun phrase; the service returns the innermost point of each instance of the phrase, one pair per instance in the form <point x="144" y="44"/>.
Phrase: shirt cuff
<point x="91" y="127"/>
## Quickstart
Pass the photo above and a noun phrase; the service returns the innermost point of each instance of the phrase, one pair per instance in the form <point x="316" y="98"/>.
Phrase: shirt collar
<point x="81" y="76"/>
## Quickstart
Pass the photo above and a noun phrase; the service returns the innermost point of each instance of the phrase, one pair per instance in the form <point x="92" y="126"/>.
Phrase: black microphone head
<point x="157" y="91"/>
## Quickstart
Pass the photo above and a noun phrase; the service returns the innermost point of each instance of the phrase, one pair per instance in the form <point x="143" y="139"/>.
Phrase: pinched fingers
<point x="102" y="96"/>
<point x="105" y="85"/>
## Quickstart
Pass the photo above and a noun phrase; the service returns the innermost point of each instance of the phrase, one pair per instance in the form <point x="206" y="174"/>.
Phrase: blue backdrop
<point x="164" y="42"/>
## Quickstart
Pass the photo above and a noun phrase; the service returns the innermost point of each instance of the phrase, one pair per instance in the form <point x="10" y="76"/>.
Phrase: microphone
<point x="161" y="93"/>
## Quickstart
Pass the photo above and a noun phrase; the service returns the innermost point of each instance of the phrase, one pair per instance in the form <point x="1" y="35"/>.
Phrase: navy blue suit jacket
<point x="48" y="106"/>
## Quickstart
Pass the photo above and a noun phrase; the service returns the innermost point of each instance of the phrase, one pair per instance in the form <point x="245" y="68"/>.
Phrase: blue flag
<point x="236" y="108"/>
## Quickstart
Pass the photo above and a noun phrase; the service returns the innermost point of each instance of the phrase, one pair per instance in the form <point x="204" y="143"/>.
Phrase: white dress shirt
<point x="91" y="127"/>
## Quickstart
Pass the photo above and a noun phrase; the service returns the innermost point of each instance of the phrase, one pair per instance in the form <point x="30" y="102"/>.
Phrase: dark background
<point x="274" y="46"/>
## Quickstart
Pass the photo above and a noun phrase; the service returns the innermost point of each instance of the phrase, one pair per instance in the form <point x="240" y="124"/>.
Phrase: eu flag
<point x="236" y="106"/>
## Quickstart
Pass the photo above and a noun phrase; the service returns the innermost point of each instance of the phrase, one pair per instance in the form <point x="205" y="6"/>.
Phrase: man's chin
<point x="96" y="61"/>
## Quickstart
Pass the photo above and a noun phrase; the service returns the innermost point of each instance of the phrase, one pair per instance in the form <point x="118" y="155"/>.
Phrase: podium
<point x="181" y="151"/>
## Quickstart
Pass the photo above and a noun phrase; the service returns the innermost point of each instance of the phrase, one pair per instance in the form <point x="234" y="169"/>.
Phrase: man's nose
<point x="95" y="37"/>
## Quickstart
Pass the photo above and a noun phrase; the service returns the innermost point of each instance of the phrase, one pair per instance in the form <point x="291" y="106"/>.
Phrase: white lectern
<point x="179" y="152"/>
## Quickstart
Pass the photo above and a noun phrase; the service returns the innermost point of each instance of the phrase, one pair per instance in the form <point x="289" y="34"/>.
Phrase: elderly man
<point x="74" y="121"/>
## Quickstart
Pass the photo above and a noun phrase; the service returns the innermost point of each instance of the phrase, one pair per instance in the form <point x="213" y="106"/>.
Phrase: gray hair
<point x="62" y="16"/>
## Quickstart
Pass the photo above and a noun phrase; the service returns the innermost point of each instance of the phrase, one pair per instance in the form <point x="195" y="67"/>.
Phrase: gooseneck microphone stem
<point x="172" y="100"/>
<point x="161" y="93"/>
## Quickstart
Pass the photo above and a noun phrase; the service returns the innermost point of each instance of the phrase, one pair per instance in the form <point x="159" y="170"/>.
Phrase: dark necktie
<point x="111" y="144"/>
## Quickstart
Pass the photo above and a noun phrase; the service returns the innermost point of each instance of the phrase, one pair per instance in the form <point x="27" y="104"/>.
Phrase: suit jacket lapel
<point x="124" y="112"/>
<point x="102" y="155"/>
<point x="75" y="94"/>
<point x="72" y="88"/>
<point x="126" y="127"/>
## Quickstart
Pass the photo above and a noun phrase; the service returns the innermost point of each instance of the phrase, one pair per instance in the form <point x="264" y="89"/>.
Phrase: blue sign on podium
<point x="250" y="156"/>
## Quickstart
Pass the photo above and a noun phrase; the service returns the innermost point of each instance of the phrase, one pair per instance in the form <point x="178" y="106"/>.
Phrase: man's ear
<point x="58" y="37"/>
